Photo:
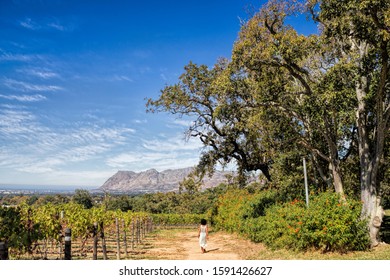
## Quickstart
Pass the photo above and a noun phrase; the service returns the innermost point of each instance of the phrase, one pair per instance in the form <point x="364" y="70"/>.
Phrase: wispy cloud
<point x="56" y="26"/>
<point x="27" y="87"/>
<point x="43" y="24"/>
<point x="24" y="98"/>
<point x="7" y="56"/>
<point x="181" y="122"/>
<point x="139" y="161"/>
<point x="140" y="121"/>
<point x="162" y="75"/>
<point x="119" y="78"/>
<point x="29" y="24"/>
<point x="160" y="153"/>
<point x="176" y="143"/>
<point x="33" y="147"/>
<point x="42" y="73"/>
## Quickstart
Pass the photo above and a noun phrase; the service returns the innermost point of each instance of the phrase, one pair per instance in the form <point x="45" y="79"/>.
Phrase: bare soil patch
<point x="183" y="245"/>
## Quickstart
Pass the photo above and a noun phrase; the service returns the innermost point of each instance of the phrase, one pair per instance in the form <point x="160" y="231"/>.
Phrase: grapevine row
<point x="46" y="224"/>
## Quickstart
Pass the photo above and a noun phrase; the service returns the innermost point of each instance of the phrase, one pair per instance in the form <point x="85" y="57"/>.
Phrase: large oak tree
<point x="327" y="93"/>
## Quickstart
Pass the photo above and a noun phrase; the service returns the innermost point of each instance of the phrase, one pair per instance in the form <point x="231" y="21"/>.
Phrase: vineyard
<point x="72" y="231"/>
<point x="44" y="232"/>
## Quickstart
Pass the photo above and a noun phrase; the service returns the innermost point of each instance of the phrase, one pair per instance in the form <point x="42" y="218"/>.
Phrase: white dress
<point x="202" y="236"/>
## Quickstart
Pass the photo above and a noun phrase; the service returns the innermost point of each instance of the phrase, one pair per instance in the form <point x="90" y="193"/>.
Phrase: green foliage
<point x="334" y="224"/>
<point x="18" y="228"/>
<point x="229" y="210"/>
<point x="47" y="217"/>
<point x="329" y="224"/>
<point x="180" y="203"/>
<point x="12" y="230"/>
<point x="122" y="203"/>
<point x="279" y="227"/>
<point x="237" y="205"/>
<point x="177" y="219"/>
<point x="83" y="197"/>
<point x="217" y="100"/>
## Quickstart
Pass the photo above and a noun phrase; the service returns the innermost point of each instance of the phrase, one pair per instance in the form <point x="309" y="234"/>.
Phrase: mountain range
<point x="151" y="181"/>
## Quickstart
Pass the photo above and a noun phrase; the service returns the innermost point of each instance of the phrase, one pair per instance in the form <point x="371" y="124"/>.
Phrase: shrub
<point x="230" y="210"/>
<point x="330" y="224"/>
<point x="333" y="224"/>
<point x="279" y="227"/>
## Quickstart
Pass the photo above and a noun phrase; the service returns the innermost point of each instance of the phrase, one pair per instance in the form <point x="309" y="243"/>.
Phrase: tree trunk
<point x="372" y="210"/>
<point x="369" y="156"/>
<point x="337" y="181"/>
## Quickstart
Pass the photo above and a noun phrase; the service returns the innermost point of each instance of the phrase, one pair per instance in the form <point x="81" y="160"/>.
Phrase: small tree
<point x="84" y="198"/>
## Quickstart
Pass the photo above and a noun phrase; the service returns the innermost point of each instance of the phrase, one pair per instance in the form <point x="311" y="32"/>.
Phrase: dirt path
<point x="217" y="248"/>
<point x="183" y="245"/>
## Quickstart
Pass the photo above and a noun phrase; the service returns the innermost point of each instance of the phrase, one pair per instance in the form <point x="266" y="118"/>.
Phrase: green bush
<point x="229" y="213"/>
<point x="330" y="224"/>
<point x="279" y="227"/>
<point x="236" y="206"/>
<point x="333" y="224"/>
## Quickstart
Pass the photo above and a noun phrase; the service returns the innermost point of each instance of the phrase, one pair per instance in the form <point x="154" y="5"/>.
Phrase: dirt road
<point x="183" y="245"/>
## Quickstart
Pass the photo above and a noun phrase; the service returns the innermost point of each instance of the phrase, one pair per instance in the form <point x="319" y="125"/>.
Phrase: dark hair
<point x="203" y="222"/>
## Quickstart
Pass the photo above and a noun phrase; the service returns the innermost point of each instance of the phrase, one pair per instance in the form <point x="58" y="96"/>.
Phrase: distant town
<point x="42" y="190"/>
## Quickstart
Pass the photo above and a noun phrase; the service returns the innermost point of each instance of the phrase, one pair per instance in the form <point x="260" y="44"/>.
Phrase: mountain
<point x="151" y="180"/>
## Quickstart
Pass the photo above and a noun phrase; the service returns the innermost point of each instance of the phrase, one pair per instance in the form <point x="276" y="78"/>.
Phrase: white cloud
<point x="32" y="147"/>
<point x="29" y="24"/>
<point x="119" y="78"/>
<point x="162" y="153"/>
<point x="45" y="24"/>
<point x="18" y="125"/>
<point x="139" y="161"/>
<point x="24" y="98"/>
<point x="181" y="122"/>
<point x="176" y="143"/>
<point x="140" y="121"/>
<point x="5" y="56"/>
<point x="162" y="75"/>
<point x="40" y="73"/>
<point x="57" y="26"/>
<point x="26" y="87"/>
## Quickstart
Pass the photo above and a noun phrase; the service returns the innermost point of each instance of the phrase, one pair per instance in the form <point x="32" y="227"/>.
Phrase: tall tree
<point x="335" y="92"/>
<point x="362" y="31"/>
<point x="217" y="99"/>
<point x="295" y="76"/>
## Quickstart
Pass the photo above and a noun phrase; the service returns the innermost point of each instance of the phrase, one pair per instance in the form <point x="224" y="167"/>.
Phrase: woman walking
<point x="203" y="234"/>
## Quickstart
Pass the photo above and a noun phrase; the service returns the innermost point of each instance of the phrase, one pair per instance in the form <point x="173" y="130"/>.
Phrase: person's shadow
<point x="211" y="250"/>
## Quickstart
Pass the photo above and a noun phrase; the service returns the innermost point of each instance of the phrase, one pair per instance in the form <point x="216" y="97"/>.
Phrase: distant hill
<point x="151" y="181"/>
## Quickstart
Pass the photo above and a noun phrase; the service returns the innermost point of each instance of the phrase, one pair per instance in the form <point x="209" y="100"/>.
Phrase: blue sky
<point x="74" y="76"/>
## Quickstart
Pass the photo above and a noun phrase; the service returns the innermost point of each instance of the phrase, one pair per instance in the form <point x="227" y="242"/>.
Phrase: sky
<point x="75" y="76"/>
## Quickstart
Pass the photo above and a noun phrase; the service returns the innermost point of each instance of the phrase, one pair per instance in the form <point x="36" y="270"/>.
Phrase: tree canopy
<point x="285" y="95"/>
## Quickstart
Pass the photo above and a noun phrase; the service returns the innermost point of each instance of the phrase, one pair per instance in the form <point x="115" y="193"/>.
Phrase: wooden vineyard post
<point x="138" y="231"/>
<point x="150" y="224"/>
<point x="104" y="247"/>
<point x="3" y="251"/>
<point x="124" y="237"/>
<point x="132" y="234"/>
<point x="95" y="241"/>
<point x="118" y="245"/>
<point x="60" y="236"/>
<point x="68" y="244"/>
<point x="60" y="245"/>
<point x="143" y="229"/>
